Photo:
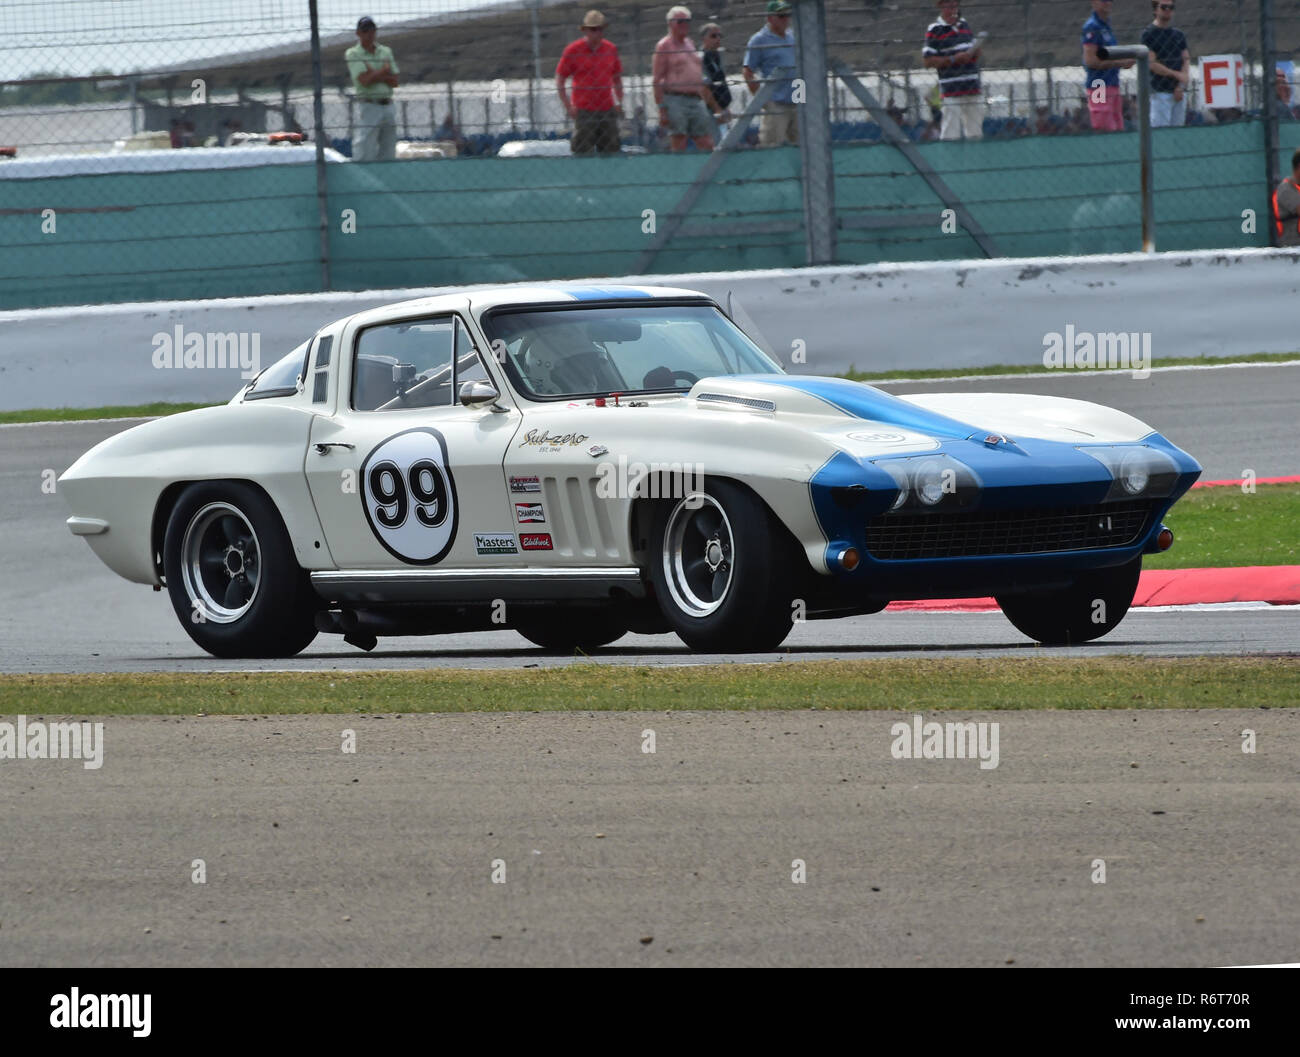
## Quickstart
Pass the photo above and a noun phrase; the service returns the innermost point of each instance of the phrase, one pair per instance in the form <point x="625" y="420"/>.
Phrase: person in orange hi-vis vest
<point x="1286" y="206"/>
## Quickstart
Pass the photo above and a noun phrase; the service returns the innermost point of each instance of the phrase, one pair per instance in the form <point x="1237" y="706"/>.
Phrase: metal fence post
<point x="1268" y="85"/>
<point x="1142" y="54"/>
<point x="318" y="115"/>
<point x="815" y="132"/>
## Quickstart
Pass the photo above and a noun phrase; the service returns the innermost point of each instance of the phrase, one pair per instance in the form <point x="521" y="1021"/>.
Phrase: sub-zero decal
<point x="523" y="485"/>
<point x="409" y="496"/>
<point x="495" y="543"/>
<point x="550" y="442"/>
<point x="526" y="513"/>
<point x="535" y="541"/>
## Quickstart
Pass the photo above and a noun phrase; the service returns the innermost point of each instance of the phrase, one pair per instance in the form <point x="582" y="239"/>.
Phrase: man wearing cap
<point x="769" y="56"/>
<point x="597" y="72"/>
<point x="374" y="76"/>
<point x="684" y="100"/>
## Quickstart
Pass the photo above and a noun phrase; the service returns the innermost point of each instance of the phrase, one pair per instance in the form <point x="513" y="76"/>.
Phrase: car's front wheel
<point x="1090" y="608"/>
<point x="232" y="575"/>
<point x="723" y="570"/>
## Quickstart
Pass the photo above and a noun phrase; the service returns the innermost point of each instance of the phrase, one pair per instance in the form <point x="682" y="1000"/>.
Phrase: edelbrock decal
<point x="536" y="541"/>
<point x="409" y="496"/>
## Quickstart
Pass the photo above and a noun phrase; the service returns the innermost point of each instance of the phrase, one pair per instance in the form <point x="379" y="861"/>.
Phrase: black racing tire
<point x="570" y="629"/>
<point x="724" y="572"/>
<point x="1092" y="607"/>
<point x="234" y="581"/>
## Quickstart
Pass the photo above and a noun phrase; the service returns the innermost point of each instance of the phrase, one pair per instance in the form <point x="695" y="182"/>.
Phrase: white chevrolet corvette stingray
<point x="577" y="462"/>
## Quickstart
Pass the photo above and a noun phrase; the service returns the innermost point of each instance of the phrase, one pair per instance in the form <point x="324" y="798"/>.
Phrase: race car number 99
<point x="409" y="496"/>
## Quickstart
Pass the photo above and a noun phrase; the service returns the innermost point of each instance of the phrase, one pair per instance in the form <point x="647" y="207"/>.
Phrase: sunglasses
<point x="593" y="29"/>
<point x="1165" y="7"/>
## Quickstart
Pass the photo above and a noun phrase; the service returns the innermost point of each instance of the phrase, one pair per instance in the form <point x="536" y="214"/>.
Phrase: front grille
<point x="1029" y="530"/>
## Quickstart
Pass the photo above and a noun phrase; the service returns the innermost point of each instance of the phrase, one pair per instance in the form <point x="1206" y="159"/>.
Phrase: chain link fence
<point x="169" y="150"/>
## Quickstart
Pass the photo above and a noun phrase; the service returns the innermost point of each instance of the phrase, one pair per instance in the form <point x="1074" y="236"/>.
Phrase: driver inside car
<point x="564" y="360"/>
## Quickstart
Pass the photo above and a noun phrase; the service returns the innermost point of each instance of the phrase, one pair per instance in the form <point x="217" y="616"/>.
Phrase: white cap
<point x="678" y="12"/>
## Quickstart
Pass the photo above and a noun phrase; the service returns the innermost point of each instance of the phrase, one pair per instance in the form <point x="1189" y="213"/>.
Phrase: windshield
<point x="653" y="348"/>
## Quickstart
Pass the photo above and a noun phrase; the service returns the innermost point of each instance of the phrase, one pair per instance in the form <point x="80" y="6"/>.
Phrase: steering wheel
<point x="663" y="378"/>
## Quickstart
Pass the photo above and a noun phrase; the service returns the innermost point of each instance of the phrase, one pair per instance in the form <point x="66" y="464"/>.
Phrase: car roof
<point x="481" y="300"/>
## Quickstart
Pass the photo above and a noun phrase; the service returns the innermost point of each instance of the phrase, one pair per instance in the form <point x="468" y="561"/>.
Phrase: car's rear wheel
<point x="232" y="575"/>
<point x="723" y="570"/>
<point x="568" y="629"/>
<point x="1090" y="608"/>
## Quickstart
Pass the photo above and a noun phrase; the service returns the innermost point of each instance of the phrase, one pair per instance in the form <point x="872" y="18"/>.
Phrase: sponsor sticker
<point x="524" y="485"/>
<point x="551" y="442"/>
<point x="536" y="541"/>
<point x="495" y="543"/>
<point x="526" y="513"/>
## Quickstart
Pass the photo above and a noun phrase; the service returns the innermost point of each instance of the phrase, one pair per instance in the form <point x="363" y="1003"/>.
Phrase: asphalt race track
<point x="67" y="613"/>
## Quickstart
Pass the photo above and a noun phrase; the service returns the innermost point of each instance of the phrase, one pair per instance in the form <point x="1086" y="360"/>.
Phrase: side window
<point x="409" y="364"/>
<point x="404" y="365"/>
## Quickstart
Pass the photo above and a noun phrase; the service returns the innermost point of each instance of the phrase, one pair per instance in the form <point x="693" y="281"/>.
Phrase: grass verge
<point x="81" y="414"/>
<point x="909" y="683"/>
<point x="854" y="375"/>
<point x="1226" y="527"/>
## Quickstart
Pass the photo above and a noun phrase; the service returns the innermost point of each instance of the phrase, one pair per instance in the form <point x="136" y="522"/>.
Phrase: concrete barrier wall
<point x="875" y="318"/>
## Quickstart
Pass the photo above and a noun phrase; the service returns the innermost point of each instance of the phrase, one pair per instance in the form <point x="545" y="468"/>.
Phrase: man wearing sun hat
<point x="597" y="72"/>
<point x="770" y="57"/>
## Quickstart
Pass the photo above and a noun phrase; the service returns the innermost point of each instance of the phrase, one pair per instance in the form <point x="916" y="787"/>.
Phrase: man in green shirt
<point x="373" y="70"/>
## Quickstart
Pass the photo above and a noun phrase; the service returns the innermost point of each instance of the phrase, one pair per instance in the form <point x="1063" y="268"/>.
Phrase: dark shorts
<point x="595" y="130"/>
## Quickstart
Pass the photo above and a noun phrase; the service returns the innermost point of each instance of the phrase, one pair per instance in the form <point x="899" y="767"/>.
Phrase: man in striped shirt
<point x="951" y="50"/>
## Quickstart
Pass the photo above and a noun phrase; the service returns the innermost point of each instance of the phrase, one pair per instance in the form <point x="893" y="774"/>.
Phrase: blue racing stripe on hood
<point x="863" y="401"/>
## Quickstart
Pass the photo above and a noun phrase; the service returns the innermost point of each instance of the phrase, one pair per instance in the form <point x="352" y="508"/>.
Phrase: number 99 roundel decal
<point x="409" y="496"/>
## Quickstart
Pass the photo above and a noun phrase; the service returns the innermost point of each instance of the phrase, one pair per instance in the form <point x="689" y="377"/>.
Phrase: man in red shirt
<point x="597" y="72"/>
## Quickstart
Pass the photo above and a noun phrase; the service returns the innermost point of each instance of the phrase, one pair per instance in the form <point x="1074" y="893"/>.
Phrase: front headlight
<point x="931" y="481"/>
<point x="1137" y="471"/>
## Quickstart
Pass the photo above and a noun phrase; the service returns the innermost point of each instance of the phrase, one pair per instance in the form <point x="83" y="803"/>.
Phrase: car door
<point x="403" y="475"/>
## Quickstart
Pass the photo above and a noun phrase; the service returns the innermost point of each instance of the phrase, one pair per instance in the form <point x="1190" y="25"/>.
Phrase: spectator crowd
<point x="695" y="106"/>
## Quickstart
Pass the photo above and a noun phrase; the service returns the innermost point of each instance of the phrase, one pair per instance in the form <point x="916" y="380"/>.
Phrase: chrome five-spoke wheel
<point x="698" y="554"/>
<point x="222" y="563"/>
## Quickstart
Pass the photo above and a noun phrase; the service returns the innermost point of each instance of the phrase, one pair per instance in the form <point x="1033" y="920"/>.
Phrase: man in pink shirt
<point x="680" y="91"/>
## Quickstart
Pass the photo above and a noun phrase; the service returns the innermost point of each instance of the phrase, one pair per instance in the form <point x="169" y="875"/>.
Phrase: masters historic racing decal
<point x="529" y="512"/>
<point x="495" y="543"/>
<point x="409" y="496"/>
